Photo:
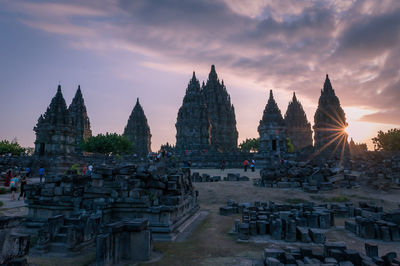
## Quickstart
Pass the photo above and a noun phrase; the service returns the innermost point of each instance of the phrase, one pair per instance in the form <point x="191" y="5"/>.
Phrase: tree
<point x="387" y="141"/>
<point x="250" y="145"/>
<point x="12" y="147"/>
<point x="108" y="143"/>
<point x="289" y="145"/>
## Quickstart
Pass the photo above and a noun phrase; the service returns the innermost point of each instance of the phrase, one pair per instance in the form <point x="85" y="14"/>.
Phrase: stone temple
<point x="55" y="131"/>
<point x="193" y="124"/>
<point x="224" y="134"/>
<point x="329" y="119"/>
<point x="138" y="131"/>
<point x="80" y="119"/>
<point x="298" y="128"/>
<point x="272" y="130"/>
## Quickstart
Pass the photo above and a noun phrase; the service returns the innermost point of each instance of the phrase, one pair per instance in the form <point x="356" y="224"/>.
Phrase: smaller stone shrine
<point x="272" y="131"/>
<point x="80" y="118"/>
<point x="330" y="137"/>
<point x="55" y="131"/>
<point x="137" y="131"/>
<point x="298" y="128"/>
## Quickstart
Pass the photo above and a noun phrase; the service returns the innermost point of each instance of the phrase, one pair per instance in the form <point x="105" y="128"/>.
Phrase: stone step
<point x="62" y="238"/>
<point x="58" y="247"/>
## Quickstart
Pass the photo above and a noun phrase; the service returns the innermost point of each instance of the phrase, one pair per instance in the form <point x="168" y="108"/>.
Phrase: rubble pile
<point x="308" y="177"/>
<point x="207" y="178"/>
<point x="14" y="245"/>
<point x="372" y="222"/>
<point x="70" y="210"/>
<point x="290" y="222"/>
<point x="333" y="253"/>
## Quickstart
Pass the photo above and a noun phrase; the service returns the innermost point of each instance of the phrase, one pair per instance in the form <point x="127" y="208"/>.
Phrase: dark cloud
<point x="291" y="45"/>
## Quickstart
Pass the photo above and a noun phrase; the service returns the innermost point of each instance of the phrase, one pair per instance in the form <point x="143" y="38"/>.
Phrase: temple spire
<point x="298" y="128"/>
<point x="80" y="118"/>
<point x="137" y="131"/>
<point x="327" y="85"/>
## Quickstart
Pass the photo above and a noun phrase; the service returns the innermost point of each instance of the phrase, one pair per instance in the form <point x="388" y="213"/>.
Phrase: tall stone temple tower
<point x="55" y="131"/>
<point x="80" y="118"/>
<point x="329" y="119"/>
<point x="224" y="134"/>
<point x="193" y="124"/>
<point x="138" y="131"/>
<point x="298" y="128"/>
<point x="272" y="130"/>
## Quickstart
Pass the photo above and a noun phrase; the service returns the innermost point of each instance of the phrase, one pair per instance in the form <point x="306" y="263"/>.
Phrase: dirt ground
<point x="210" y="243"/>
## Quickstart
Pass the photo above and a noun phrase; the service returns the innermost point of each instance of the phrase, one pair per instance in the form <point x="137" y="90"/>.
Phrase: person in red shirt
<point x="245" y="164"/>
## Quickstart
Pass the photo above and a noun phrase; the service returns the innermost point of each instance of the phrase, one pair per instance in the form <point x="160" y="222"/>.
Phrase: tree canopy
<point x="250" y="145"/>
<point x="108" y="143"/>
<point x="387" y="141"/>
<point x="12" y="147"/>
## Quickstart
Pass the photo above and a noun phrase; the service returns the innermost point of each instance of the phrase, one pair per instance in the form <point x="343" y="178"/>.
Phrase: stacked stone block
<point x="333" y="253"/>
<point x="289" y="222"/>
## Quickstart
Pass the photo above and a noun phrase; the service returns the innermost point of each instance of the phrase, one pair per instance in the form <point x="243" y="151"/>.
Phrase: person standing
<point x="223" y="163"/>
<point x="252" y="165"/>
<point x="84" y="169"/>
<point x="13" y="186"/>
<point x="28" y="171"/>
<point x="90" y="169"/>
<point x="8" y="178"/>
<point x="41" y="173"/>
<point x="23" y="193"/>
<point x="245" y="164"/>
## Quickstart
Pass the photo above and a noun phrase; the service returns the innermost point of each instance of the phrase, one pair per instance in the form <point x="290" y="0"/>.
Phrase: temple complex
<point x="80" y="119"/>
<point x="55" y="132"/>
<point x="272" y="130"/>
<point x="138" y="131"/>
<point x="193" y="124"/>
<point x="224" y="134"/>
<point x="329" y="120"/>
<point x="298" y="128"/>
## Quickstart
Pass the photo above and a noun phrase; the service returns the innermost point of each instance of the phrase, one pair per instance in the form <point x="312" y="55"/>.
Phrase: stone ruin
<point x="229" y="177"/>
<point x="137" y="131"/>
<point x="332" y="253"/>
<point x="303" y="222"/>
<point x="310" y="178"/>
<point x="14" y="245"/>
<point x="117" y="206"/>
<point x="371" y="222"/>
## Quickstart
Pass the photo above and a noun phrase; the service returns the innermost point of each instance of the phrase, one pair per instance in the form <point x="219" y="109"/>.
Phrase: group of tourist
<point x="252" y="164"/>
<point x="15" y="177"/>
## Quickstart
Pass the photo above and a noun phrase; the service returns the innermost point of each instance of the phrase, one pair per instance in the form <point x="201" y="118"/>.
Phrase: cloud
<point x="286" y="45"/>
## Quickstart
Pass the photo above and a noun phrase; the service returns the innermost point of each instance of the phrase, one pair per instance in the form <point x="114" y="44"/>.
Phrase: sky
<point x="118" y="50"/>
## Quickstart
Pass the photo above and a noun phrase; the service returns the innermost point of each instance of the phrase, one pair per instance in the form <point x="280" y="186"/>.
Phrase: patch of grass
<point x="4" y="190"/>
<point x="320" y="198"/>
<point x="338" y="198"/>
<point x="295" y="200"/>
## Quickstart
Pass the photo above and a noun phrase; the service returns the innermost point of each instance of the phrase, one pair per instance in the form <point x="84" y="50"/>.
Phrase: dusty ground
<point x="210" y="243"/>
